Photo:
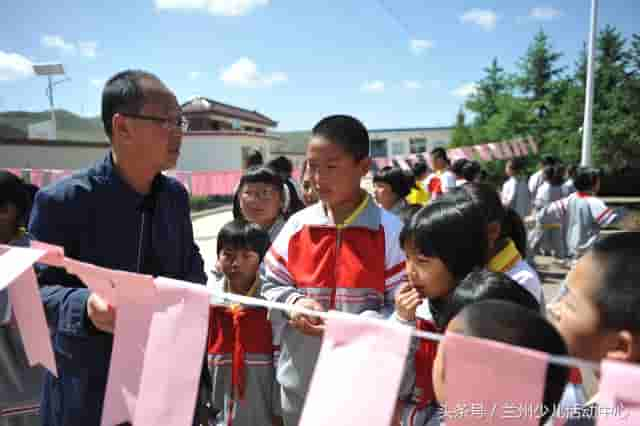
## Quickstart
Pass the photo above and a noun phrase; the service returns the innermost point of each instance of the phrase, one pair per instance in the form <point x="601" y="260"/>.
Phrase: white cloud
<point x="214" y="7"/>
<point x="194" y="75"/>
<point x="85" y="48"/>
<point x="98" y="82"/>
<point x="545" y="13"/>
<point x="412" y="85"/>
<point x="375" y="86"/>
<point x="244" y="73"/>
<point x="465" y="90"/>
<point x="58" y="42"/>
<point x="14" y="66"/>
<point x="419" y="46"/>
<point x="485" y="18"/>
<point x="88" y="48"/>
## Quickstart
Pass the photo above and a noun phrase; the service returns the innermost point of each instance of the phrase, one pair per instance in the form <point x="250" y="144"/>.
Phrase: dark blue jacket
<point x="98" y="218"/>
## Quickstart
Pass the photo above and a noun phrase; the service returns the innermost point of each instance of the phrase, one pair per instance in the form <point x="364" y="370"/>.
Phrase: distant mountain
<point x="70" y="126"/>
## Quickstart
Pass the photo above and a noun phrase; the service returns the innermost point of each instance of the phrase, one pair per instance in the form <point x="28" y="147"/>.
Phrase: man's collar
<point x="109" y="173"/>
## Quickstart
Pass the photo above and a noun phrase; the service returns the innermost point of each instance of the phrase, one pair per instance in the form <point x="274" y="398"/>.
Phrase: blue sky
<point x="293" y="60"/>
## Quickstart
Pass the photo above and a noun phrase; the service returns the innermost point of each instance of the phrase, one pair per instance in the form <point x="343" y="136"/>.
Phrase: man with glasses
<point x="121" y="213"/>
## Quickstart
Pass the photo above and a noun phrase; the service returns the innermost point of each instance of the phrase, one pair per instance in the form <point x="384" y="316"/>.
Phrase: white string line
<point x="253" y="301"/>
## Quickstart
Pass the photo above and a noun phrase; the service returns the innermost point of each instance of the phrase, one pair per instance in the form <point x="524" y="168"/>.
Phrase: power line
<point x="397" y="19"/>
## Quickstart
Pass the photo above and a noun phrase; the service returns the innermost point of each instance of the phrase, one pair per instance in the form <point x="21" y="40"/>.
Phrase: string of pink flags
<point x="205" y="183"/>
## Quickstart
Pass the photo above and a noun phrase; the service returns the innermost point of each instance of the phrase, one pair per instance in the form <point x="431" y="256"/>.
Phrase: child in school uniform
<point x="390" y="187"/>
<point x="443" y="241"/>
<point x="417" y="195"/>
<point x="263" y="198"/>
<point x="442" y="180"/>
<point x="342" y="254"/>
<point x="583" y="213"/>
<point x="510" y="323"/>
<point x="20" y="385"/>
<point x="241" y="349"/>
<point x="515" y="192"/>
<point x="597" y="312"/>
<point x="552" y="235"/>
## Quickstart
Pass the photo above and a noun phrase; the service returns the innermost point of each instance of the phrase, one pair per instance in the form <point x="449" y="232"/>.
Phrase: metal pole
<point x="53" y="113"/>
<point x="587" y="128"/>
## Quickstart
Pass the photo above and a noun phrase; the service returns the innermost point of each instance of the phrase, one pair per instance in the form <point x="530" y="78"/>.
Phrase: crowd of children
<point x="438" y="251"/>
<point x="455" y="258"/>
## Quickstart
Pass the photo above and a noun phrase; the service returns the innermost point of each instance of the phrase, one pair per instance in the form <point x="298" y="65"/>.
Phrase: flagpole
<point x="587" y="128"/>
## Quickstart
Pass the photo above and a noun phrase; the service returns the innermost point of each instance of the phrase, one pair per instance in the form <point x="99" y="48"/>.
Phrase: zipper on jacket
<point x="335" y="270"/>
<point x="140" y="241"/>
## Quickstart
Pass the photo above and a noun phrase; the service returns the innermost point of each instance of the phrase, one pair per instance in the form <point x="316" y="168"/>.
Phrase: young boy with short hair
<point x="342" y="253"/>
<point x="597" y="314"/>
<point x="516" y="325"/>
<point x="583" y="212"/>
<point x="240" y="345"/>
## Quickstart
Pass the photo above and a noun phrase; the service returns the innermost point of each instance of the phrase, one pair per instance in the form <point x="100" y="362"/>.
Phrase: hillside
<point x="70" y="126"/>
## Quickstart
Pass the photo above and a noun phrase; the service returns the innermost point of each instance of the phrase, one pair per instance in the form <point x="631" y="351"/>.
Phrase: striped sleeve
<point x="278" y="284"/>
<point x="554" y="212"/>
<point x="508" y="192"/>
<point x="602" y="214"/>
<point x="394" y="273"/>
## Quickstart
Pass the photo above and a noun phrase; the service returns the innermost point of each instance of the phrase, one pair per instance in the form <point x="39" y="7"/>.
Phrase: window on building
<point x="397" y="148"/>
<point x="378" y="148"/>
<point x="417" y="145"/>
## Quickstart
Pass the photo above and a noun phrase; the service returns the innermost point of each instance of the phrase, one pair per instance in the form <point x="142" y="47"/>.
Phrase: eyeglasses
<point x="262" y="195"/>
<point x="181" y="122"/>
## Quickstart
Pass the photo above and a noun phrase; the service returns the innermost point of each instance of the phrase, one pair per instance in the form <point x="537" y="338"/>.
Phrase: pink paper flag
<point x="98" y="280"/>
<point x="505" y="383"/>
<point x="349" y="386"/>
<point x="533" y="145"/>
<point x="496" y="150"/>
<point x="619" y="399"/>
<point x="17" y="267"/>
<point x="136" y="294"/>
<point x="178" y="333"/>
<point x="54" y="255"/>
<point x="515" y="148"/>
<point x="36" y="177"/>
<point x="523" y="147"/>
<point x="468" y="152"/>
<point x="483" y="152"/>
<point x="507" y="152"/>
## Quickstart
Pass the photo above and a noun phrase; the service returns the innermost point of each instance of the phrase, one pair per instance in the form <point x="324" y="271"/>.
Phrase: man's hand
<point x="309" y="325"/>
<point x="407" y="301"/>
<point x="101" y="314"/>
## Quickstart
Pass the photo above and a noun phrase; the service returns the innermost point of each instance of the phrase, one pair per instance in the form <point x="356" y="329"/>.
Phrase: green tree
<point x="484" y="103"/>
<point x="461" y="133"/>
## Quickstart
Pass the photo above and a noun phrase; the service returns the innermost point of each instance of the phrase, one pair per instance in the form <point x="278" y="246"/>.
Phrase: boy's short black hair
<point x="547" y="160"/>
<point x="458" y="166"/>
<point x="396" y="178"/>
<point x="123" y="94"/>
<point x="517" y="164"/>
<point x="586" y="178"/>
<point x="254" y="158"/>
<point x="618" y="295"/>
<point x="242" y="235"/>
<point x="13" y="191"/>
<point x="454" y="232"/>
<point x="484" y="285"/>
<point x="485" y="197"/>
<point x="419" y="168"/>
<point x="440" y="153"/>
<point x="548" y="173"/>
<point x="260" y="174"/>
<point x="347" y="132"/>
<point x="516" y="325"/>
<point x="471" y="171"/>
<point x="282" y="165"/>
